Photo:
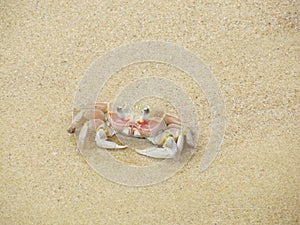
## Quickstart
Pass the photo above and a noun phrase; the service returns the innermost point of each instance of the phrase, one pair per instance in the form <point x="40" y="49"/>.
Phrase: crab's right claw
<point x="103" y="143"/>
<point x="168" y="151"/>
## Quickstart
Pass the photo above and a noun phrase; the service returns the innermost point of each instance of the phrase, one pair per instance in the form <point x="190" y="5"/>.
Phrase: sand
<point x="252" y="49"/>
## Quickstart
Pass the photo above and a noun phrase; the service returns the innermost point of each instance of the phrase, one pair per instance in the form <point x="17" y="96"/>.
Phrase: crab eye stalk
<point x="120" y="112"/>
<point x="146" y="112"/>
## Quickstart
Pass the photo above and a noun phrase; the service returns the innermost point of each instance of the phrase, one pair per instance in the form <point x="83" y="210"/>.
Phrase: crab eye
<point x="145" y="112"/>
<point x="120" y="112"/>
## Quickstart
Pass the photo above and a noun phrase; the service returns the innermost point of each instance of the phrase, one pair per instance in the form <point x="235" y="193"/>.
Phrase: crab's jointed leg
<point x="84" y="115"/>
<point x="89" y="125"/>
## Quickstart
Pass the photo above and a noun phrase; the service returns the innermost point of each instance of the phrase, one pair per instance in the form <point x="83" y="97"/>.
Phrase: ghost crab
<point x="165" y="133"/>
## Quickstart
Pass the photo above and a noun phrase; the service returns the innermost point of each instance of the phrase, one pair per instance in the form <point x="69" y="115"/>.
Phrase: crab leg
<point x="84" y="115"/>
<point x="78" y="117"/>
<point x="171" y="119"/>
<point x="89" y="125"/>
<point x="82" y="135"/>
<point x="102" y="106"/>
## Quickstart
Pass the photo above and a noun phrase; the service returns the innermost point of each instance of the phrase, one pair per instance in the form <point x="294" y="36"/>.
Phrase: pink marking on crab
<point x="150" y="127"/>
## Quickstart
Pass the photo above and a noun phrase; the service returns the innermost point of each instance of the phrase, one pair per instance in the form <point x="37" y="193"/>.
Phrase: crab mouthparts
<point x="137" y="128"/>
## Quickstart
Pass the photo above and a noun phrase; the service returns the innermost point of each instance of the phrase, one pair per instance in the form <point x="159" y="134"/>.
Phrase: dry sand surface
<point x="252" y="49"/>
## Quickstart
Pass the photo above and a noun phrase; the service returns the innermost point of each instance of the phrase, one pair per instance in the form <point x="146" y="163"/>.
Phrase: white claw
<point x="103" y="143"/>
<point x="168" y="150"/>
<point x="159" y="153"/>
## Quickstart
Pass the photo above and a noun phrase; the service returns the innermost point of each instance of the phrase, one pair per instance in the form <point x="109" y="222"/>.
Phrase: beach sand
<point x="251" y="48"/>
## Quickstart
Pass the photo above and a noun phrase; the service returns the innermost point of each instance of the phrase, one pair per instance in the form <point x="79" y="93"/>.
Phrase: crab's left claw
<point x="167" y="151"/>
